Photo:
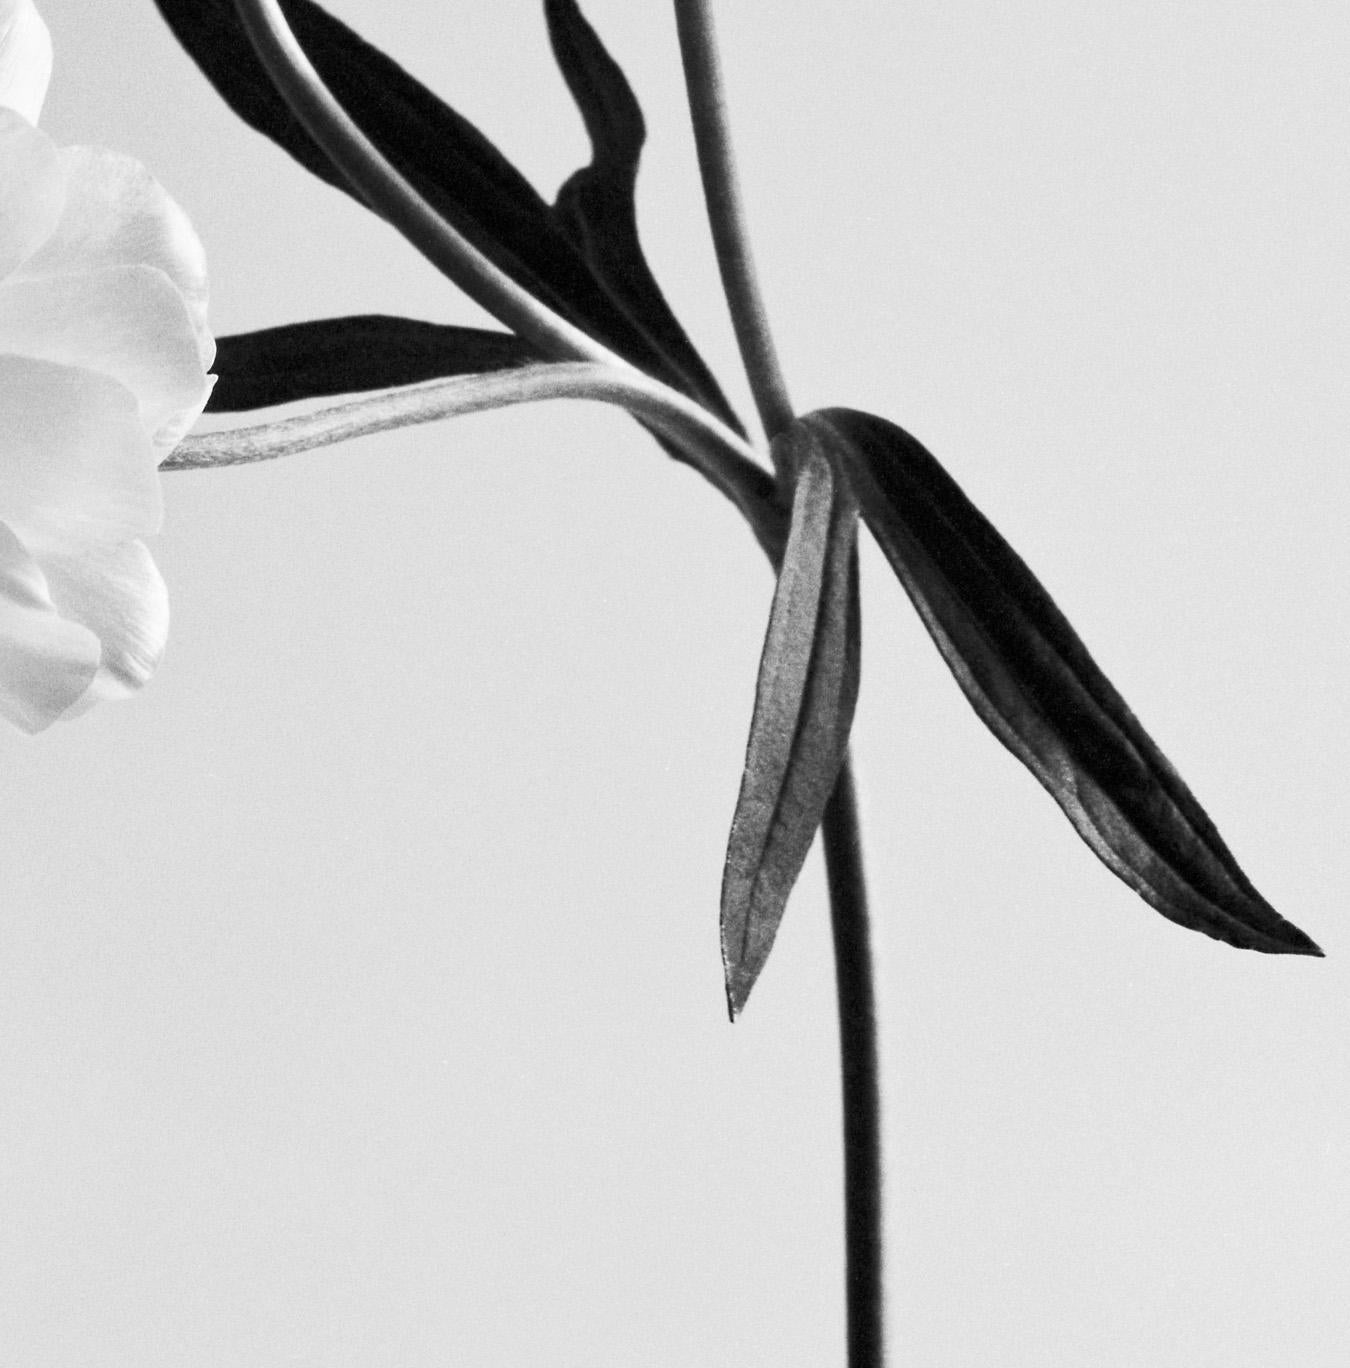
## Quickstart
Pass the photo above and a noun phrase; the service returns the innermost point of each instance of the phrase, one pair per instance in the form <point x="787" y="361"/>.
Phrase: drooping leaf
<point x="1033" y="683"/>
<point x="804" y="700"/>
<point x="345" y="355"/>
<point x="454" y="167"/>
<point x="596" y="205"/>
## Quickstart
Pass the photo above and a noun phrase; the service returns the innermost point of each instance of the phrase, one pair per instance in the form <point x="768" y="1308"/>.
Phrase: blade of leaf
<point x="426" y="139"/>
<point x="344" y="355"/>
<point x="330" y="356"/>
<point x="453" y="166"/>
<point x="804" y="701"/>
<point x="1033" y="683"/>
<point x="596" y="205"/>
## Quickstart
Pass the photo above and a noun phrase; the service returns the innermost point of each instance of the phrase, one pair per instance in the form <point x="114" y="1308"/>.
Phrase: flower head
<point x="104" y="352"/>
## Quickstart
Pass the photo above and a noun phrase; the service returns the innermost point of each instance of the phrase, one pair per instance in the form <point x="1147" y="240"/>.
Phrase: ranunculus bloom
<point x="104" y="352"/>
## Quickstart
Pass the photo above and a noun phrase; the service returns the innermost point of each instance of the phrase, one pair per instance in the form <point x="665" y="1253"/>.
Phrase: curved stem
<point x="392" y="196"/>
<point x="726" y="460"/>
<point x="395" y="199"/>
<point x="861" y="1081"/>
<point x="726" y="216"/>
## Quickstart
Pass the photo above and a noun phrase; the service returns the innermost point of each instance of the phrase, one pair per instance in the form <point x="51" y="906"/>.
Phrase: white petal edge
<point x="117" y="592"/>
<point x="74" y="456"/>
<point x="47" y="663"/>
<point x="25" y="58"/>
<point x="128" y="322"/>
<point x="34" y="190"/>
<point x="117" y="214"/>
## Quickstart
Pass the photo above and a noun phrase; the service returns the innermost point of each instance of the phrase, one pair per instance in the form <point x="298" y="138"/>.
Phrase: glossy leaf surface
<point x="345" y="355"/>
<point x="596" y="205"/>
<point x="453" y="166"/>
<point x="804" y="701"/>
<point x="1033" y="683"/>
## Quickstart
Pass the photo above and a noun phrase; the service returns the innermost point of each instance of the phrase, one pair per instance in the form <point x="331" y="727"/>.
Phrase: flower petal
<point x="34" y="190"/>
<point x="116" y="591"/>
<point x="117" y="214"/>
<point x="128" y="322"/>
<point x="25" y="58"/>
<point x="46" y="662"/>
<point x="73" y="454"/>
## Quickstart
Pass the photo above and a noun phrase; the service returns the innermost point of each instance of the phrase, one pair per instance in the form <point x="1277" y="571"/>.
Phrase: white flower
<point x="104" y="352"/>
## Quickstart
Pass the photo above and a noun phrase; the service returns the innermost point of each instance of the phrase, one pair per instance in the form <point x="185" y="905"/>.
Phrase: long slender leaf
<point x="596" y="205"/>
<point x="1033" y="683"/>
<point x="804" y="700"/>
<point x="456" y="169"/>
<point x="444" y="155"/>
<point x="346" y="355"/>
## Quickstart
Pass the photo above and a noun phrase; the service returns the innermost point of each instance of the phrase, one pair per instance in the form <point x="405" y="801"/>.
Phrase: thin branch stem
<point x="726" y="216"/>
<point x="725" y="459"/>
<point x="861" y="1081"/>
<point x="394" y="198"/>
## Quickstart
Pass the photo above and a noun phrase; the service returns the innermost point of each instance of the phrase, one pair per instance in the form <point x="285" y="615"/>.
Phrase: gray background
<point x="360" y="1001"/>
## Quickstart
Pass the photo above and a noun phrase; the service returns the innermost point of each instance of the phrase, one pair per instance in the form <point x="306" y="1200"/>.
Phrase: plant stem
<point x="861" y="1081"/>
<point x="392" y="197"/>
<point x="730" y="467"/>
<point x="717" y="452"/>
<point x="708" y="443"/>
<point x="839" y="828"/>
<point x="726" y="217"/>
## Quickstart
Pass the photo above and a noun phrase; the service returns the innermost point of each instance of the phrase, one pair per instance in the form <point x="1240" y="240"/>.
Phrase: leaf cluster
<point x="1010" y="649"/>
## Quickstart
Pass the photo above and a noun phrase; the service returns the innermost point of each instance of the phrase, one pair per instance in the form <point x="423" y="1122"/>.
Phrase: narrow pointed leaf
<point x="345" y="355"/>
<point x="804" y="700"/>
<point x="453" y="166"/>
<point x="450" y="162"/>
<point x="1033" y="683"/>
<point x="596" y="206"/>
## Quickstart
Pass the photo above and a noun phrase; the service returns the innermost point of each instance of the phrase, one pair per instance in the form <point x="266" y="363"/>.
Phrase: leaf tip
<point x="737" y="980"/>
<point x="1299" y="943"/>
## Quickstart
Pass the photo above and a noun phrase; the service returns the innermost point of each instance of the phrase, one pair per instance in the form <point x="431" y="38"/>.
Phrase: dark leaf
<point x="596" y="206"/>
<point x="1032" y="682"/>
<point x="804" y="699"/>
<point x="343" y="355"/>
<point x="455" y="168"/>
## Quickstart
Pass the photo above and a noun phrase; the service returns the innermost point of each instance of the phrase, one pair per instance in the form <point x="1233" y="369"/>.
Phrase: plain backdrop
<point x="360" y="1000"/>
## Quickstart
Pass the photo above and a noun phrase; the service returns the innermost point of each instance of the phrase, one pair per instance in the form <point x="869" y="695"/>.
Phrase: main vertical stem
<point x="839" y="828"/>
<point x="861" y="1077"/>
